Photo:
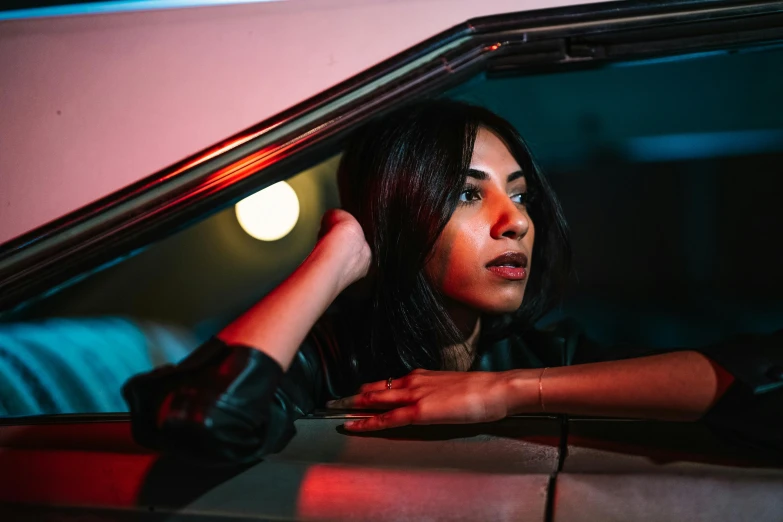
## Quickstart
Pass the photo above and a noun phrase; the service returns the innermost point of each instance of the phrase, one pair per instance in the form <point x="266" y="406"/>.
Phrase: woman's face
<point x="481" y="260"/>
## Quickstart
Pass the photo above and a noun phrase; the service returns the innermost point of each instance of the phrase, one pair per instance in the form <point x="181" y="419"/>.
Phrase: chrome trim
<point x="102" y="418"/>
<point x="348" y="414"/>
<point x="137" y="215"/>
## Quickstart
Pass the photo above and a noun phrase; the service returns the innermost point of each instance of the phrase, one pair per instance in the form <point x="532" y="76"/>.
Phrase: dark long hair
<point x="401" y="176"/>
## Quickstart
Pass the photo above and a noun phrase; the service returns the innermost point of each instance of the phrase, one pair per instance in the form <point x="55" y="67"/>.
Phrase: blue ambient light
<point x="115" y="7"/>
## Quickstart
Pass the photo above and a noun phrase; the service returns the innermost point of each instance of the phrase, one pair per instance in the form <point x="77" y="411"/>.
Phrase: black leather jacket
<point x="233" y="404"/>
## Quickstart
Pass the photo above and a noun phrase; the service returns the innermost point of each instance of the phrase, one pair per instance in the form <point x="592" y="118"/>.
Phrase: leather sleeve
<point x="227" y="405"/>
<point x="750" y="411"/>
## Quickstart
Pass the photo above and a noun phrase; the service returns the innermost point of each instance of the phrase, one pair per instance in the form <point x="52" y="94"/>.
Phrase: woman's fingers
<point x="390" y="419"/>
<point x="375" y="399"/>
<point x="414" y="379"/>
<point x="435" y="398"/>
<point x="380" y="386"/>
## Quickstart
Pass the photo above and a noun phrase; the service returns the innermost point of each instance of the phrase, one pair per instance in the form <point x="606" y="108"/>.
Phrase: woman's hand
<point x="434" y="397"/>
<point x="344" y="237"/>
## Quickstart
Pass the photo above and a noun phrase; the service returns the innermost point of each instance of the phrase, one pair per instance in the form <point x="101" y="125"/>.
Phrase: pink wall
<point x="89" y="104"/>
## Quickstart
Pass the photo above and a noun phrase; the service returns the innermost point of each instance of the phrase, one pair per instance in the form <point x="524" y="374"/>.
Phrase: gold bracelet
<point x="541" y="389"/>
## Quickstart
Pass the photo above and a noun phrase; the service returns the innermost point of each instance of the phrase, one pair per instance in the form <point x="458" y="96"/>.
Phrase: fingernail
<point x="350" y="424"/>
<point x="330" y="403"/>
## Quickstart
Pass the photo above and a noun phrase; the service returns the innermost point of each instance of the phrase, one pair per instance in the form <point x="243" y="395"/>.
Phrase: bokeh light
<point x="269" y="214"/>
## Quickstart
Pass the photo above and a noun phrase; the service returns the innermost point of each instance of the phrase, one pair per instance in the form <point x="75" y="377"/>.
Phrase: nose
<point x="510" y="221"/>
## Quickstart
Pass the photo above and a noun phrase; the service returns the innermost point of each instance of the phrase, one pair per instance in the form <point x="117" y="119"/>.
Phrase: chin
<point x="501" y="309"/>
<point x="501" y="305"/>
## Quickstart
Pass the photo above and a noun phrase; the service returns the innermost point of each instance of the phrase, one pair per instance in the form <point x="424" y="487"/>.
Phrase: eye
<point x="469" y="194"/>
<point x="521" y="198"/>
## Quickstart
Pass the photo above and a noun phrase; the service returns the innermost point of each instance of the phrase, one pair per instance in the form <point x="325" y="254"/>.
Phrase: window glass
<point x="668" y="172"/>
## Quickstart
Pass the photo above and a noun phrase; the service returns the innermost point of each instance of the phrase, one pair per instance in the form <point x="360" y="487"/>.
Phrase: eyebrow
<point x="482" y="176"/>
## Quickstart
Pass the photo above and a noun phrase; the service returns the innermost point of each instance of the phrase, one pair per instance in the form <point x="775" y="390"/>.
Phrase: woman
<point x="450" y="247"/>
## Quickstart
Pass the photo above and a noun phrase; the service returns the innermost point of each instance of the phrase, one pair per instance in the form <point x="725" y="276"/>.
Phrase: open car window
<point x="663" y="140"/>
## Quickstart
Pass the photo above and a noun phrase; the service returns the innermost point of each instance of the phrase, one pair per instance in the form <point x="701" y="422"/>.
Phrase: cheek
<point x="454" y="259"/>
<point x="437" y="266"/>
<point x="434" y="269"/>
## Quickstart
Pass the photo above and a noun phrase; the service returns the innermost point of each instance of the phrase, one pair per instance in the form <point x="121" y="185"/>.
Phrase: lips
<point x="509" y="265"/>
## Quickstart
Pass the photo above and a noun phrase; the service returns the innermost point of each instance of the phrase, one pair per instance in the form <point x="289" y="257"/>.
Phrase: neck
<point x="460" y="356"/>
<point x="465" y="319"/>
<point x="472" y="339"/>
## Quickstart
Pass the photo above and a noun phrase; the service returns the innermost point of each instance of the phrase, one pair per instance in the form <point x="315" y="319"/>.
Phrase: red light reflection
<point x="336" y="492"/>
<point x="72" y="477"/>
